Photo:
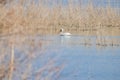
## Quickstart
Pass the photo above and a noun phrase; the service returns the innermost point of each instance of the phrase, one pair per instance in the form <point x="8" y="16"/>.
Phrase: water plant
<point x="47" y="17"/>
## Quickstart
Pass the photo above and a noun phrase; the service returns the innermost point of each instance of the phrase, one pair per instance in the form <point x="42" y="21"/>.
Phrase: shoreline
<point x="84" y="31"/>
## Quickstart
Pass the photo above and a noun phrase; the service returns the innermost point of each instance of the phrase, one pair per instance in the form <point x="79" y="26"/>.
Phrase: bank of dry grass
<point x="41" y="19"/>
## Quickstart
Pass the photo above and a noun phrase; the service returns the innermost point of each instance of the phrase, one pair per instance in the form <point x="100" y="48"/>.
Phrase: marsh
<point x="63" y="58"/>
<point x="31" y="47"/>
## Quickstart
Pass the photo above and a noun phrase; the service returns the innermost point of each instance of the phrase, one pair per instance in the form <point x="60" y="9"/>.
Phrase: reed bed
<point x="42" y="18"/>
<point x="47" y="17"/>
<point x="18" y="60"/>
<point x="19" y="54"/>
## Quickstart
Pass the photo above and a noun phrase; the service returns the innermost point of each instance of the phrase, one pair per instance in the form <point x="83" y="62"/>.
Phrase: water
<point x="69" y="58"/>
<point x="85" y="60"/>
<point x="96" y="3"/>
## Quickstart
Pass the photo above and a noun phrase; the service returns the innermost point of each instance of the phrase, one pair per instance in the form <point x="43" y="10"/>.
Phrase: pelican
<point x="62" y="33"/>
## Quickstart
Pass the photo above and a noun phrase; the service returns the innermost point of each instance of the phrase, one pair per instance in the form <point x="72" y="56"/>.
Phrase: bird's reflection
<point x="65" y="39"/>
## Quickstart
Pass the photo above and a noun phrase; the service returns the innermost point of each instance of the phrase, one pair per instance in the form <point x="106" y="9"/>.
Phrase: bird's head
<point x="61" y="30"/>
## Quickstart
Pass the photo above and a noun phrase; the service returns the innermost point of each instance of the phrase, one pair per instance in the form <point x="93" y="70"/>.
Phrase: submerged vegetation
<point x="48" y="16"/>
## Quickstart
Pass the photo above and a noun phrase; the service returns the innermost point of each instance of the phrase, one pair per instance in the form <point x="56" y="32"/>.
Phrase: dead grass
<point x="17" y="62"/>
<point x="41" y="19"/>
<point x="32" y="19"/>
<point x="18" y="54"/>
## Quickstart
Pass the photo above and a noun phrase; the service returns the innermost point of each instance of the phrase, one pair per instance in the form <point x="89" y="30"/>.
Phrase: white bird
<point x="62" y="33"/>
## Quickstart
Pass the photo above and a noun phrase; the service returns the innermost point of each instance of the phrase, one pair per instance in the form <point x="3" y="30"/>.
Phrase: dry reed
<point x="30" y="19"/>
<point x="42" y="18"/>
<point x="17" y="62"/>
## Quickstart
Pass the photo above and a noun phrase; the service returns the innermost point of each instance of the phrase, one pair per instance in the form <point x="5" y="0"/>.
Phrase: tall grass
<point x="28" y="17"/>
<point x="23" y="58"/>
<point x="46" y="17"/>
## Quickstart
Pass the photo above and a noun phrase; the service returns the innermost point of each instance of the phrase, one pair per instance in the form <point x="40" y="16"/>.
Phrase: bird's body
<point x="65" y="34"/>
<point x="62" y="33"/>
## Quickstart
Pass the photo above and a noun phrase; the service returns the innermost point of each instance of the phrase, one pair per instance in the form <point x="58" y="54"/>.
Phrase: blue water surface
<point x="66" y="57"/>
<point x="83" y="59"/>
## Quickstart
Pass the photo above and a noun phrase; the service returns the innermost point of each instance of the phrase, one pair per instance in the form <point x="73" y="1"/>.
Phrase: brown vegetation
<point x="16" y="61"/>
<point x="2" y="2"/>
<point x="41" y="19"/>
